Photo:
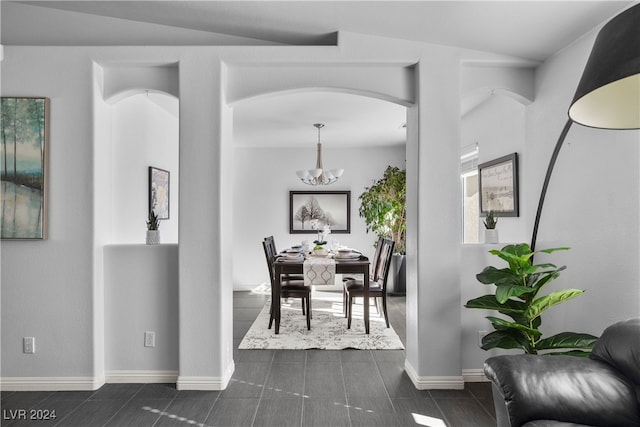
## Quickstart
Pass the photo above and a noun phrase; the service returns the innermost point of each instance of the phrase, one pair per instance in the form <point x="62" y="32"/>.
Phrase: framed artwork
<point x="498" y="181"/>
<point x="310" y="211"/>
<point x="24" y="139"/>
<point x="159" y="192"/>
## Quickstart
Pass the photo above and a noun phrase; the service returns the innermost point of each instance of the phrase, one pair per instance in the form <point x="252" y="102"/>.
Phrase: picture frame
<point x="159" y="200"/>
<point x="310" y="211"/>
<point x="498" y="182"/>
<point x="24" y="153"/>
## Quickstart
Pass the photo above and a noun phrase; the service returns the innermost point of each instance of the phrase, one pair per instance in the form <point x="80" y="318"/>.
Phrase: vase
<point x="321" y="251"/>
<point x="153" y="237"/>
<point x="491" y="235"/>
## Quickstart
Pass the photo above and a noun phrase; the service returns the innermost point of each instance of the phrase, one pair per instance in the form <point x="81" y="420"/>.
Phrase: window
<point x="470" y="195"/>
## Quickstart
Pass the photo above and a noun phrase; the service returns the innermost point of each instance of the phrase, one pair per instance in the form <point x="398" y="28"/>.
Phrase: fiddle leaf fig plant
<point x="517" y="296"/>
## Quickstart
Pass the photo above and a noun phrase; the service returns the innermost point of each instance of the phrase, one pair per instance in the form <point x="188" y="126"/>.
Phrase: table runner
<point x="319" y="271"/>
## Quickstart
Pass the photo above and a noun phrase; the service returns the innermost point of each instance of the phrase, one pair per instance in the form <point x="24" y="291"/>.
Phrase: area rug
<point x="328" y="328"/>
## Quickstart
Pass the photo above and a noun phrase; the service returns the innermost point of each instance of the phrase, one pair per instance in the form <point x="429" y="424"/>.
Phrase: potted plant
<point x="490" y="232"/>
<point x="383" y="208"/>
<point x="153" y="226"/>
<point x="320" y="242"/>
<point x="517" y="296"/>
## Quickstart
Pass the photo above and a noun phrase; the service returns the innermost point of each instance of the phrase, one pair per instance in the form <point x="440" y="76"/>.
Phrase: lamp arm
<point x="547" y="178"/>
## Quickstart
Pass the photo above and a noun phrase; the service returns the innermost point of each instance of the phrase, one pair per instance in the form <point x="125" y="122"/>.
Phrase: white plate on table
<point x="350" y="255"/>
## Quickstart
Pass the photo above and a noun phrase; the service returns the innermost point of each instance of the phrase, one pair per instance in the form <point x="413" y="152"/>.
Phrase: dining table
<point x="283" y="266"/>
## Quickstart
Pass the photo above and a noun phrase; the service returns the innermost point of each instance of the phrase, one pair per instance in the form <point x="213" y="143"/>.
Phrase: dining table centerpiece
<point x="320" y="243"/>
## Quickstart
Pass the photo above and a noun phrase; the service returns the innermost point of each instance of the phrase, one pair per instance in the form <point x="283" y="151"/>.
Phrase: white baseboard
<point x="474" y="376"/>
<point x="206" y="383"/>
<point x="141" y="377"/>
<point x="50" y="383"/>
<point x="201" y="383"/>
<point x="432" y="382"/>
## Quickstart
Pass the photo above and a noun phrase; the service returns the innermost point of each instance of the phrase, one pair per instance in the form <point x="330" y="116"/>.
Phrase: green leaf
<point x="489" y="302"/>
<point x="567" y="340"/>
<point x="504" y="292"/>
<point x="501" y="324"/>
<point x="551" y="250"/>
<point x="505" y="339"/>
<point x="491" y="275"/>
<point x="538" y="306"/>
<point x="541" y="279"/>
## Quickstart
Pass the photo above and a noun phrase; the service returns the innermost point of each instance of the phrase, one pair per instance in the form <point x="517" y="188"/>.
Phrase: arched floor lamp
<point x="608" y="95"/>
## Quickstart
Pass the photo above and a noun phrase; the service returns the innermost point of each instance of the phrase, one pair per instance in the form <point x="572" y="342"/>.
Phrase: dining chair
<point x="372" y="274"/>
<point x="271" y="241"/>
<point x="377" y="285"/>
<point x="288" y="289"/>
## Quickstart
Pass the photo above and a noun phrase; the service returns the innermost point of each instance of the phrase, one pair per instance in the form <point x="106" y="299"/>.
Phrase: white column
<point x="433" y="244"/>
<point x="206" y="342"/>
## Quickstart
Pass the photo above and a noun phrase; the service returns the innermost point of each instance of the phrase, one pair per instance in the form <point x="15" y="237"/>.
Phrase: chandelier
<point x="319" y="176"/>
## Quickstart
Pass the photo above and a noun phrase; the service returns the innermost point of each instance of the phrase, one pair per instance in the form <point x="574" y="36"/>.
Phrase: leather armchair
<point x="547" y="390"/>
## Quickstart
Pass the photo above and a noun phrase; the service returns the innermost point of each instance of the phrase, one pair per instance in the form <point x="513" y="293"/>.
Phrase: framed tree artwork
<point x="24" y="138"/>
<point x="498" y="180"/>
<point x="310" y="211"/>
<point x="159" y="192"/>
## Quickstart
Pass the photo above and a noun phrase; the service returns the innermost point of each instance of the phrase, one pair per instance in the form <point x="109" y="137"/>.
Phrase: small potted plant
<point x="490" y="232"/>
<point x="153" y="232"/>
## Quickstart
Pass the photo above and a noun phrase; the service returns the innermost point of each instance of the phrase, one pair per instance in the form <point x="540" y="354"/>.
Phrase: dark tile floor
<point x="271" y="388"/>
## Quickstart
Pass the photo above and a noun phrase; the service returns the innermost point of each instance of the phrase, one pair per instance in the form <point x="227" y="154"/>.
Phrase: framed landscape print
<point x="159" y="192"/>
<point x="498" y="181"/>
<point x="310" y="211"/>
<point x="23" y="167"/>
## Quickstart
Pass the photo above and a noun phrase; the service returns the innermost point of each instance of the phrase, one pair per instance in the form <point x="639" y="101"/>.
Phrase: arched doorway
<point x="274" y="137"/>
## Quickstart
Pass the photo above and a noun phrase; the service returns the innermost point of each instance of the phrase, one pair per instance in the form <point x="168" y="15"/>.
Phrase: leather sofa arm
<point x="563" y="388"/>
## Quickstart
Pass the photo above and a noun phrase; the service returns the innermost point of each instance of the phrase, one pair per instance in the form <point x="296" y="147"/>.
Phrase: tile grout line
<point x="165" y="410"/>
<point x="75" y="409"/>
<point x="304" y="384"/>
<point x="211" y="408"/>
<point x="264" y="385"/>
<point x="482" y="406"/>
<point x="344" y="388"/>
<point x="123" y="405"/>
<point x="444" y="416"/>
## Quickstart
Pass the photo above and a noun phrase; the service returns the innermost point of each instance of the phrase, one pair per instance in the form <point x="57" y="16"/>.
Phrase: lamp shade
<point x="608" y="95"/>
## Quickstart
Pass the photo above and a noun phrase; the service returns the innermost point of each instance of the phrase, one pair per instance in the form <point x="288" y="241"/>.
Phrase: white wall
<point x="141" y="294"/>
<point x="48" y="286"/>
<point x="144" y="133"/>
<point x="592" y="205"/>
<point x="262" y="181"/>
<point x="498" y="126"/>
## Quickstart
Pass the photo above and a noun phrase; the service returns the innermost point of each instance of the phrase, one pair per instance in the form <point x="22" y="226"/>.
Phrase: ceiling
<point x="531" y="30"/>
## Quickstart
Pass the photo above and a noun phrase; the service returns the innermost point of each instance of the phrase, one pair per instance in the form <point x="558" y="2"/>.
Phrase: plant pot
<point x="397" y="279"/>
<point x="491" y="235"/>
<point x="153" y="237"/>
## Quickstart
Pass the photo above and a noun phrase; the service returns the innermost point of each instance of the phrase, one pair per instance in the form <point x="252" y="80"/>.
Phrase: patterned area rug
<point x="328" y="328"/>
